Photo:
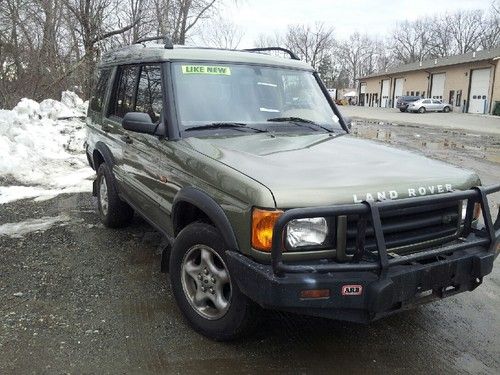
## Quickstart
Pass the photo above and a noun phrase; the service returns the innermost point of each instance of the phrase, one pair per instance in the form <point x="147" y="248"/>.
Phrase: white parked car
<point x="428" y="105"/>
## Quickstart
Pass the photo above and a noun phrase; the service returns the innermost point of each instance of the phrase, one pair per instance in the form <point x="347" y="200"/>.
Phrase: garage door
<point x="479" y="85"/>
<point x="398" y="90"/>
<point x="437" y="90"/>
<point x="384" y="102"/>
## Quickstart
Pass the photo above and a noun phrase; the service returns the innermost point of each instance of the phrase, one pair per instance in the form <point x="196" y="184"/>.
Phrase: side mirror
<point x="348" y="122"/>
<point x="139" y="122"/>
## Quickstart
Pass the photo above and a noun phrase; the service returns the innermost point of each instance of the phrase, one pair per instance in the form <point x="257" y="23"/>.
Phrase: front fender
<point x="210" y="207"/>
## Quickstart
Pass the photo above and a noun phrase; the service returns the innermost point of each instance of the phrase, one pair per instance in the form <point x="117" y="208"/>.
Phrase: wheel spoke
<point x="221" y="275"/>
<point x="192" y="269"/>
<point x="199" y="298"/>
<point x="206" y="258"/>
<point x="219" y="301"/>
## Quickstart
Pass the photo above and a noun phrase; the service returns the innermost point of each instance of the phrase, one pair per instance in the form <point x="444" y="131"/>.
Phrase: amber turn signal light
<point x="315" y="293"/>
<point x="262" y="228"/>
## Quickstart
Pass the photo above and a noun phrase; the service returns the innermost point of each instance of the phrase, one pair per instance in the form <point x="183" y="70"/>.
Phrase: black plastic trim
<point x="331" y="102"/>
<point x="292" y="55"/>
<point x="105" y="152"/>
<point x="210" y="207"/>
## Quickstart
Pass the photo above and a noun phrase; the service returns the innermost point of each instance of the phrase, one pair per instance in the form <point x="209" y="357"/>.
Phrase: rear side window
<point x="123" y="98"/>
<point x="149" y="94"/>
<point x="97" y="100"/>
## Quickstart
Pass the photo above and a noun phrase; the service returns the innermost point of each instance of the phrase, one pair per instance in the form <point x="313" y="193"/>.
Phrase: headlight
<point x="306" y="232"/>
<point x="476" y="212"/>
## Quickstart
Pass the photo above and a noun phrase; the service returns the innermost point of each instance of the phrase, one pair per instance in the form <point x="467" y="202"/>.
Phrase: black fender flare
<point x="106" y="154"/>
<point x="104" y="150"/>
<point x="210" y="207"/>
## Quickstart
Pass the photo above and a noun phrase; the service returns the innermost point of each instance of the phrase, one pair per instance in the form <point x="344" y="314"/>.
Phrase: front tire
<point x="421" y="110"/>
<point x="206" y="294"/>
<point x="114" y="212"/>
<point x="446" y="109"/>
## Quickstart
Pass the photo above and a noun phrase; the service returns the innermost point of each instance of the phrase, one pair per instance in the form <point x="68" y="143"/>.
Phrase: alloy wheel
<point x="206" y="282"/>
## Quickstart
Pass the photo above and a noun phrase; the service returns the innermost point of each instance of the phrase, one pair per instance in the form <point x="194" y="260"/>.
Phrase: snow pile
<point x="18" y="230"/>
<point x="41" y="149"/>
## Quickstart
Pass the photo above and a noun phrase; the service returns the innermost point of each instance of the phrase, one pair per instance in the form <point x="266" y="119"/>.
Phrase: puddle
<point x="477" y="145"/>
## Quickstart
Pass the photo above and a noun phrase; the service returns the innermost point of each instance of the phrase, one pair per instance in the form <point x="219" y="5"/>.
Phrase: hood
<point x="319" y="169"/>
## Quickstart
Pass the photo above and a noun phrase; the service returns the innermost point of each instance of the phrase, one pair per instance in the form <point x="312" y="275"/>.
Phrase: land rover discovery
<point x="242" y="160"/>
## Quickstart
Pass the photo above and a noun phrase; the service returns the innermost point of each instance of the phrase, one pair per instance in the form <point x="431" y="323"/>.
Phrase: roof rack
<point x="262" y="49"/>
<point x="166" y="40"/>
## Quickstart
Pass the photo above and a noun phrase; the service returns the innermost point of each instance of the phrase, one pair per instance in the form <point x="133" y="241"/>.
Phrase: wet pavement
<point x="482" y="124"/>
<point x="81" y="298"/>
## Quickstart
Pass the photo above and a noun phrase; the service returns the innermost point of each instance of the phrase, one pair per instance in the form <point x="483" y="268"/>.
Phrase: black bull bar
<point x="471" y="237"/>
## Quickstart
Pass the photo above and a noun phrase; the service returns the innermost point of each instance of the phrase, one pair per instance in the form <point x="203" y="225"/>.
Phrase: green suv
<point x="242" y="160"/>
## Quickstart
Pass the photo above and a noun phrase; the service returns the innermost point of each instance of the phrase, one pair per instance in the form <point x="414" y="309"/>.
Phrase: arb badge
<point x="352" y="290"/>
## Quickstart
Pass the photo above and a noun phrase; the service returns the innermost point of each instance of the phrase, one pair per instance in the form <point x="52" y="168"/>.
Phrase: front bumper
<point x="392" y="284"/>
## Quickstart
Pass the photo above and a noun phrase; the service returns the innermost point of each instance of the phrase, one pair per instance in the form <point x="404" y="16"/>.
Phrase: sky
<point x="375" y="17"/>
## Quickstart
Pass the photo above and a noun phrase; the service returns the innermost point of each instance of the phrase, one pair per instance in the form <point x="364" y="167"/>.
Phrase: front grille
<point x="410" y="229"/>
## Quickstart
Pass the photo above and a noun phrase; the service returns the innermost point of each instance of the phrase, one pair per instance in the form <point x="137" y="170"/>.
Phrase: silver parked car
<point x="428" y="105"/>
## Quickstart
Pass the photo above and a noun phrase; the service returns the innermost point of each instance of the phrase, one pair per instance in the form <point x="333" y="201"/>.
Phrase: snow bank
<point x="41" y="148"/>
<point x="20" y="229"/>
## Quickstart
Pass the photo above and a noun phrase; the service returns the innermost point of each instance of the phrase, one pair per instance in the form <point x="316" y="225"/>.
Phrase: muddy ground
<point x="80" y="298"/>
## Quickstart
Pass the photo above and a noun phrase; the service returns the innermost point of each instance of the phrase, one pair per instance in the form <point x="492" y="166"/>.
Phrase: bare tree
<point x="412" y="41"/>
<point x="359" y="56"/>
<point x="178" y="17"/>
<point x="311" y="43"/>
<point x="466" y="30"/>
<point x="220" y="33"/>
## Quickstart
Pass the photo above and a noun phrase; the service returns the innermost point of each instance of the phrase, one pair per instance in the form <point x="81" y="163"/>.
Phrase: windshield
<point x="249" y="95"/>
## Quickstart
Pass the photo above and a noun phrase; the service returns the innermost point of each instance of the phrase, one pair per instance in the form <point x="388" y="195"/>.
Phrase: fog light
<point x="315" y="293"/>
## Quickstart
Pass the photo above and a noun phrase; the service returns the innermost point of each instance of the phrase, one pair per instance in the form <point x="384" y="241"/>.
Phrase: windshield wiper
<point x="222" y="125"/>
<point x="298" y="121"/>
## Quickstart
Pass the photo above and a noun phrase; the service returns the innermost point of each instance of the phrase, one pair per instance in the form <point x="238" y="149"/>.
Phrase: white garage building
<point x="470" y="82"/>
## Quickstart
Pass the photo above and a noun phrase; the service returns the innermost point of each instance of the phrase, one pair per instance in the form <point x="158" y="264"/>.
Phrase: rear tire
<point x="114" y="212"/>
<point x="421" y="110"/>
<point x="402" y="109"/>
<point x="205" y="291"/>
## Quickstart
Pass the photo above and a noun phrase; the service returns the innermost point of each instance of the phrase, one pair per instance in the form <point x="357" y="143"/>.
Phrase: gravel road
<point x="79" y="298"/>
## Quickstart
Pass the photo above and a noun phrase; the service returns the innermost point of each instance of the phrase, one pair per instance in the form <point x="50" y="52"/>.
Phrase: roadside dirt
<point x="80" y="298"/>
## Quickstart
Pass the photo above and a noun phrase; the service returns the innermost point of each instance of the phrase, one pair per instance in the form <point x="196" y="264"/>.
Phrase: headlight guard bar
<point x="371" y="211"/>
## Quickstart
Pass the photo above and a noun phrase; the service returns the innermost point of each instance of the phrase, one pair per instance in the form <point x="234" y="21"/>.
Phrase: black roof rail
<point x="263" y="49"/>
<point x="165" y="38"/>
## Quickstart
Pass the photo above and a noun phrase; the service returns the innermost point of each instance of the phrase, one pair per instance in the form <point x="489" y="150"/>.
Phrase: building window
<point x="412" y="93"/>
<point x="417" y="93"/>
<point x="423" y="94"/>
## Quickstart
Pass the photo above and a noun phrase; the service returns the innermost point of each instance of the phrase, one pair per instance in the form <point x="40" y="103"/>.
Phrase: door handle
<point x="126" y="138"/>
<point x="106" y="128"/>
